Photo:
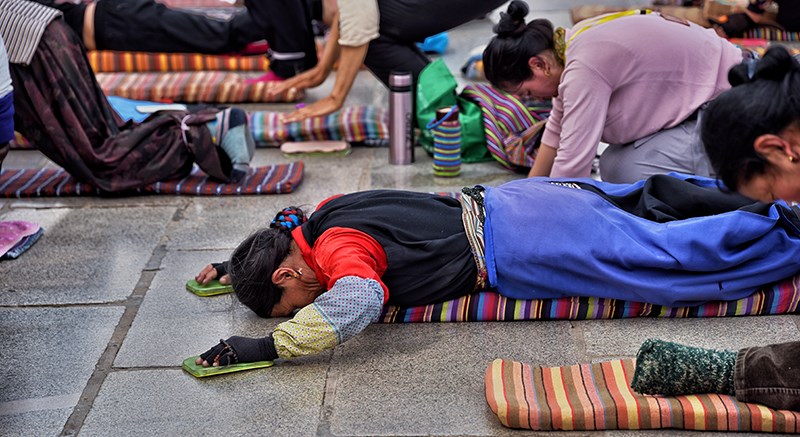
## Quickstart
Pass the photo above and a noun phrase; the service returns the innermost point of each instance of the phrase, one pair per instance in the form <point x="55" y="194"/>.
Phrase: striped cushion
<point x="56" y="182"/>
<point x="598" y="397"/>
<point x="192" y="87"/>
<point x="106" y="61"/>
<point x="779" y="298"/>
<point x="352" y="124"/>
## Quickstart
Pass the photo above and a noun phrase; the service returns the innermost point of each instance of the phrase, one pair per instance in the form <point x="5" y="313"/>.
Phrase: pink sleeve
<point x="580" y="115"/>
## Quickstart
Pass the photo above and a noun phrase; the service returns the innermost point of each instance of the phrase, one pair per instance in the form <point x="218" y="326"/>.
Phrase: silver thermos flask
<point x="401" y="126"/>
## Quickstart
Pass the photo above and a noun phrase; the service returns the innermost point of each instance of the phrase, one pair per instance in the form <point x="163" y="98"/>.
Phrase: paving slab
<point x="173" y="324"/>
<point x="48" y="355"/>
<point x="419" y="176"/>
<point x="39" y="423"/>
<point x="428" y="378"/>
<point x="612" y="338"/>
<point x="222" y="222"/>
<point x="274" y="401"/>
<point x="85" y="255"/>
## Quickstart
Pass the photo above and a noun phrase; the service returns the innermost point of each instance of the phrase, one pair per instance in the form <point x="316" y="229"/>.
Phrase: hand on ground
<point x="220" y="355"/>
<point x="208" y="274"/>
<point x="322" y="107"/>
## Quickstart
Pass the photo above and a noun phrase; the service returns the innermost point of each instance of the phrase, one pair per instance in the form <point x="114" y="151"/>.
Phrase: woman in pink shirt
<point x="635" y="80"/>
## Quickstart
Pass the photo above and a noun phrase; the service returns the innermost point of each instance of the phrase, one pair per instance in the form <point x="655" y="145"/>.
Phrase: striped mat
<point x="772" y="34"/>
<point x="598" y="397"/>
<point x="107" y="61"/>
<point x="355" y="124"/>
<point x="780" y="298"/>
<point x="192" y="87"/>
<point x="56" y="182"/>
<point x="352" y="124"/>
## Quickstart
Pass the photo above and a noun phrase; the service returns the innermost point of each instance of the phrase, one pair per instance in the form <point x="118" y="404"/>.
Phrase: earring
<point x="792" y="158"/>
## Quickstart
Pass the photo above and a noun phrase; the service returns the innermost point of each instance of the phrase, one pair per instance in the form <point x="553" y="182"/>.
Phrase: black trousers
<point x="146" y="25"/>
<point x="287" y="27"/>
<point x="769" y="375"/>
<point x="149" y="26"/>
<point x="406" y="22"/>
<point x="789" y="15"/>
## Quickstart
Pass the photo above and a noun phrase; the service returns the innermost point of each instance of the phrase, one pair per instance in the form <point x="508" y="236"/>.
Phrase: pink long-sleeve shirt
<point x="629" y="78"/>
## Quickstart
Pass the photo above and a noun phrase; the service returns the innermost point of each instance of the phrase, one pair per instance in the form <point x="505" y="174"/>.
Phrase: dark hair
<point x="258" y="256"/>
<point x="767" y="103"/>
<point x="505" y="59"/>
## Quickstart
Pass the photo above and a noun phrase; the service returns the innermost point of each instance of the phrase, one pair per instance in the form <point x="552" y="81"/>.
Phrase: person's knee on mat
<point x="232" y="134"/>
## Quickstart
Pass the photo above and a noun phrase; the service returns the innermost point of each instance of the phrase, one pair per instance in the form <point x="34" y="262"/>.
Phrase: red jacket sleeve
<point x="341" y="252"/>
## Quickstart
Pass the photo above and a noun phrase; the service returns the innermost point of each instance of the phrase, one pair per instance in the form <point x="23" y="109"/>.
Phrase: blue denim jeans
<point x="769" y="375"/>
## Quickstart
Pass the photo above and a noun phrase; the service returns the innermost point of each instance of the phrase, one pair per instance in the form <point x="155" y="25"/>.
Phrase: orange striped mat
<point x="193" y="87"/>
<point x="107" y="61"/>
<point x="599" y="397"/>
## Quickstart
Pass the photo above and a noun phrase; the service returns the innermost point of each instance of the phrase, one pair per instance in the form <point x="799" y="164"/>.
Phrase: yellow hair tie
<point x="560" y="44"/>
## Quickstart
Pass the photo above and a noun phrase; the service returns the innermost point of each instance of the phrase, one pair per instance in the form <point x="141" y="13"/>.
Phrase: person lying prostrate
<point x="752" y="132"/>
<point x="381" y="35"/>
<point x="149" y="26"/>
<point x="636" y="80"/>
<point x="671" y="240"/>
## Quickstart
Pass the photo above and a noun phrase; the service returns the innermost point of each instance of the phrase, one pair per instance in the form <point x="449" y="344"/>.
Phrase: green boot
<point x="672" y="369"/>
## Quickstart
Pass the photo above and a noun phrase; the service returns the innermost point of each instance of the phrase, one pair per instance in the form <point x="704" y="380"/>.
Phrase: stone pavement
<point x="95" y="320"/>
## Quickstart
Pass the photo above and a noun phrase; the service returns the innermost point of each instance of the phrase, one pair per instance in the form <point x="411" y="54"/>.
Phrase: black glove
<point x="241" y="350"/>
<point x="221" y="268"/>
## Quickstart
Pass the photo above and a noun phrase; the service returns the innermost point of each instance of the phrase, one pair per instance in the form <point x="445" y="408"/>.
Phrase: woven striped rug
<point x="772" y="34"/>
<point x="779" y="298"/>
<point x="56" y="182"/>
<point x="106" y="61"/>
<point x="598" y="397"/>
<point x="193" y="87"/>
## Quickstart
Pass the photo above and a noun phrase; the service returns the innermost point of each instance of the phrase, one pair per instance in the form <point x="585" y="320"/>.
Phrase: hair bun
<point x="512" y="22"/>
<point x="288" y="219"/>
<point x="775" y="65"/>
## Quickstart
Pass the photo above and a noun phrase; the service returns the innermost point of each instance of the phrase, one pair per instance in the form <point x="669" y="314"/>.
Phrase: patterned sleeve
<point x="335" y="317"/>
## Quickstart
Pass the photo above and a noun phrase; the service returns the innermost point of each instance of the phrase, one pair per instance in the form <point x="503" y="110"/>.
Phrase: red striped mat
<point x="779" y="298"/>
<point x="192" y="87"/>
<point x="107" y="61"/>
<point x="56" y="182"/>
<point x="598" y="397"/>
